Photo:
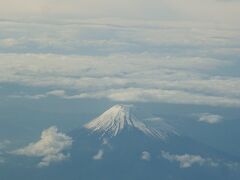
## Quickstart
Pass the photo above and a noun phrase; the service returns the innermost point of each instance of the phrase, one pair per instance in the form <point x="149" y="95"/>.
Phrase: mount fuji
<point x="119" y="118"/>
<point x="118" y="145"/>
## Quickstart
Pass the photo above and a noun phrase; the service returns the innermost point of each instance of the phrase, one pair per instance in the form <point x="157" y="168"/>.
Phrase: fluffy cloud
<point x="145" y="61"/>
<point x="146" y="156"/>
<point x="50" y="147"/>
<point x="188" y="160"/>
<point x="99" y="155"/>
<point x="46" y="160"/>
<point x="209" y="118"/>
<point x="162" y="79"/>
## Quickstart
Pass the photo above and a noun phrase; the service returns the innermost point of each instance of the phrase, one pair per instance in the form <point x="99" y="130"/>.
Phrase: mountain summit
<point x="118" y="118"/>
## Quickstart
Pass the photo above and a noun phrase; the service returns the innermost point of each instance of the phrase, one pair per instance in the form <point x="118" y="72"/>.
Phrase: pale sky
<point x="221" y="11"/>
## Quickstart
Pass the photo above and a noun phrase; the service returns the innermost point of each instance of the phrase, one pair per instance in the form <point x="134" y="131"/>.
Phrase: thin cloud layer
<point x="209" y="118"/>
<point x="205" y="10"/>
<point x="50" y="147"/>
<point x="129" y="61"/>
<point x="188" y="160"/>
<point x="128" y="78"/>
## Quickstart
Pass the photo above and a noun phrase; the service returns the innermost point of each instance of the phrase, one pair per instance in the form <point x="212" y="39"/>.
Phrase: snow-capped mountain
<point x="121" y="117"/>
<point x="117" y="145"/>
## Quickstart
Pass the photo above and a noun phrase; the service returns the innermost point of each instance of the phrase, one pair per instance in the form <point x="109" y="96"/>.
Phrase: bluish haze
<point x="63" y="63"/>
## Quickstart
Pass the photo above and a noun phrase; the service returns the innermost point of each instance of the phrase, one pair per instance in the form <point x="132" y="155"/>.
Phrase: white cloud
<point x="159" y="95"/>
<point x="209" y="118"/>
<point x="188" y="160"/>
<point x="56" y="93"/>
<point x="158" y="61"/>
<point x="46" y="160"/>
<point x="99" y="155"/>
<point x="145" y="95"/>
<point x="146" y="156"/>
<point x="50" y="147"/>
<point x="129" y="78"/>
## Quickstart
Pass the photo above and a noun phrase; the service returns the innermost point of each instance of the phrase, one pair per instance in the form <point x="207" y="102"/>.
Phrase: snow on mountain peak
<point x="117" y="118"/>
